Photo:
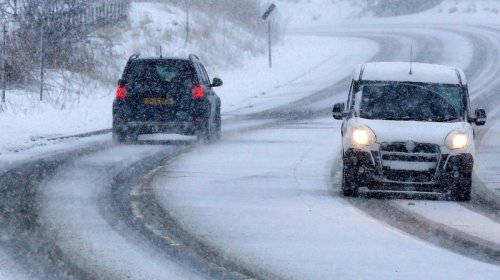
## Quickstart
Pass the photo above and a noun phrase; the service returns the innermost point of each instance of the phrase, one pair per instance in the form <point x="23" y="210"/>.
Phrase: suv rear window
<point x="159" y="71"/>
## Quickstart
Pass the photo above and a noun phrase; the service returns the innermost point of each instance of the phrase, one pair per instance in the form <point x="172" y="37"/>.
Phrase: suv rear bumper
<point x="178" y="127"/>
<point x="368" y="171"/>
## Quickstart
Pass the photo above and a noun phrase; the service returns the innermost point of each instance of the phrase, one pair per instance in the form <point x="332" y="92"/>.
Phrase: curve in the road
<point x="393" y="47"/>
<point x="431" y="50"/>
<point x="25" y="238"/>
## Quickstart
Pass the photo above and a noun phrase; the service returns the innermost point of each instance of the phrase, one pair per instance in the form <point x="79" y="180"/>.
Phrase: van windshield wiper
<point x="448" y="119"/>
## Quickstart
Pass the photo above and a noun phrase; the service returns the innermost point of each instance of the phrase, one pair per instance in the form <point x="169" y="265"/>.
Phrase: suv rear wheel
<point x="218" y="125"/>
<point x="121" y="136"/>
<point x="207" y="134"/>
<point x="118" y="137"/>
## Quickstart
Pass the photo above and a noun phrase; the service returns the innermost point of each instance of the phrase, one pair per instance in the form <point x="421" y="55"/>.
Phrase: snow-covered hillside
<point x="220" y="43"/>
<point x="299" y="13"/>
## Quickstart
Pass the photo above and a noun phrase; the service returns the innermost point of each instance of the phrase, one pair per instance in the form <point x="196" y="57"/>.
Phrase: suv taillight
<point x="198" y="93"/>
<point x="121" y="92"/>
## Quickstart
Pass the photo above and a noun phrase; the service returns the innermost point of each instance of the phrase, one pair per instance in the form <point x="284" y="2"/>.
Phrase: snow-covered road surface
<point x="75" y="200"/>
<point x="266" y="202"/>
<point x="269" y="200"/>
<point x="266" y="198"/>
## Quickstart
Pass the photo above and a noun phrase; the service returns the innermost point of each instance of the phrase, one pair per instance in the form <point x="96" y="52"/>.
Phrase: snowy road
<point x="276" y="205"/>
<point x="271" y="206"/>
<point x="265" y="202"/>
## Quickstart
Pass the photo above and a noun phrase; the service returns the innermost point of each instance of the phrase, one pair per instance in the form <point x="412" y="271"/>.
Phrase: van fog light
<point x="361" y="170"/>
<point x="456" y="174"/>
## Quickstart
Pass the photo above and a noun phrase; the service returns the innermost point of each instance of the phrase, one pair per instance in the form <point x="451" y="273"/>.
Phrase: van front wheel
<point x="349" y="188"/>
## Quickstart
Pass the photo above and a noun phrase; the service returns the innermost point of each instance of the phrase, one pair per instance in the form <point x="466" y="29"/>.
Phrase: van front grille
<point x="409" y="161"/>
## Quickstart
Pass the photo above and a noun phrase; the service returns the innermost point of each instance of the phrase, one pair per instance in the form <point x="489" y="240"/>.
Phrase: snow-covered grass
<point x="219" y="43"/>
<point x="67" y="109"/>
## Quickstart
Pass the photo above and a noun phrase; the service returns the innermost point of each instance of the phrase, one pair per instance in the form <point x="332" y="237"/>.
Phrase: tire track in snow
<point x="74" y="208"/>
<point x="133" y="198"/>
<point x="25" y="237"/>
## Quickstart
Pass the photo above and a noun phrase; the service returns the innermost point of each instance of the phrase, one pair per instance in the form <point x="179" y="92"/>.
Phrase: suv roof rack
<point x="193" y="57"/>
<point x="134" y="56"/>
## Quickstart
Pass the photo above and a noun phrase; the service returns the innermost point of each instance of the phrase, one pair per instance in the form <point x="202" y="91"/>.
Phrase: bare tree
<point x="187" y="6"/>
<point x="65" y="25"/>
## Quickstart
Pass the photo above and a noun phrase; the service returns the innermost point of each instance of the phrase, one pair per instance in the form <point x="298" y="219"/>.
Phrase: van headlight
<point x="363" y="136"/>
<point x="457" y="140"/>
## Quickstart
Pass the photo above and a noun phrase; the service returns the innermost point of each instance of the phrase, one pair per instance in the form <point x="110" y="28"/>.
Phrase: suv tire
<point x="121" y="136"/>
<point x="218" y="125"/>
<point x="118" y="137"/>
<point x="207" y="133"/>
<point x="349" y="189"/>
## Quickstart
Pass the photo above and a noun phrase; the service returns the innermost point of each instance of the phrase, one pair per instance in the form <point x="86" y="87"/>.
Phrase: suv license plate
<point x="159" y="101"/>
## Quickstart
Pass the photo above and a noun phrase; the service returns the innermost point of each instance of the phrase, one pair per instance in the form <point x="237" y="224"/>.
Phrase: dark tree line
<point x="58" y="29"/>
<point x="400" y="7"/>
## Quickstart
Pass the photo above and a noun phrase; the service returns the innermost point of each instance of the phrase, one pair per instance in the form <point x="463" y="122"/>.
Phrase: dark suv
<point x="166" y="95"/>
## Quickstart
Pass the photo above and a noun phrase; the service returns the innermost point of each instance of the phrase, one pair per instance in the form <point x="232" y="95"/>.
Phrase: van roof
<point x="400" y="72"/>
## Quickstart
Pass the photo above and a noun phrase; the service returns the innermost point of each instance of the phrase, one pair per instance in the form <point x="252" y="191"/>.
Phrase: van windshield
<point x="410" y="102"/>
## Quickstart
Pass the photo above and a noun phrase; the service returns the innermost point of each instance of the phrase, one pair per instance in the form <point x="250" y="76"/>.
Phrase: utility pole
<point x="265" y="17"/>
<point x="187" y="23"/>
<point x="269" y="49"/>
<point x="4" y="57"/>
<point x="41" y="60"/>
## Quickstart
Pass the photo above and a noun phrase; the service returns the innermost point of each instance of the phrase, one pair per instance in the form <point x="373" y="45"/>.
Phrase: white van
<point x="408" y="127"/>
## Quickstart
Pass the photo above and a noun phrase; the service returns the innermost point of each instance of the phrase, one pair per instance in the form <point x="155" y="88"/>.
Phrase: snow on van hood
<point x="402" y="131"/>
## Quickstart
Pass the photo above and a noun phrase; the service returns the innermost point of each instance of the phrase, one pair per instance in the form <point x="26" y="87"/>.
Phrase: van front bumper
<point x="369" y="170"/>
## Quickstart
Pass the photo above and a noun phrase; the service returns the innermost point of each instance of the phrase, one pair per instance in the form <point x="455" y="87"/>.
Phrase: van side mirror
<point x="338" y="111"/>
<point x="480" y="117"/>
<point x="122" y="82"/>
<point x="217" y="82"/>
